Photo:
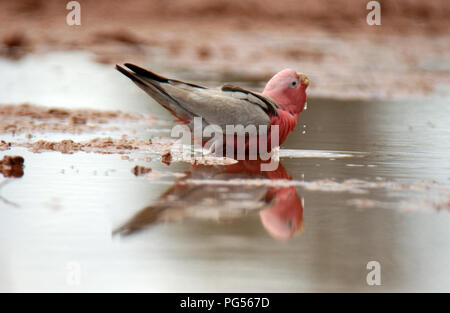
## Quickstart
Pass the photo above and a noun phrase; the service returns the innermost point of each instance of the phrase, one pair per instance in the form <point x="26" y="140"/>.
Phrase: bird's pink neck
<point x="286" y="123"/>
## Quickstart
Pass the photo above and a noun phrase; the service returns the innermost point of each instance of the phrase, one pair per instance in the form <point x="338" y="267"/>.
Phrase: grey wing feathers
<point x="265" y="102"/>
<point x="228" y="105"/>
<point x="151" y="84"/>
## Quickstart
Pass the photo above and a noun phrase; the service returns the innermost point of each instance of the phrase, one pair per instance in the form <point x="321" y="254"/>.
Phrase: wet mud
<point x="11" y="166"/>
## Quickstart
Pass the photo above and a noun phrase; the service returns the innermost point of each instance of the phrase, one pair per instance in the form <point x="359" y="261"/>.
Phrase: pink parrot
<point x="281" y="102"/>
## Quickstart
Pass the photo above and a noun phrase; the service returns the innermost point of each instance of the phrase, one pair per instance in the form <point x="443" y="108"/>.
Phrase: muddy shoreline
<point x="249" y="41"/>
<point x="29" y="119"/>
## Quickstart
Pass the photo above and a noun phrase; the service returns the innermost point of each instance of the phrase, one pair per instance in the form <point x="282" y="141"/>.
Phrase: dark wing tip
<point x="129" y="74"/>
<point x="137" y="70"/>
<point x="146" y="73"/>
<point x="120" y="68"/>
<point x="124" y="71"/>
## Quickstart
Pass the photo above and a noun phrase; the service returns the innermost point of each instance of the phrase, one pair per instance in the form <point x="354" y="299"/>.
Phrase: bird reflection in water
<point x="227" y="192"/>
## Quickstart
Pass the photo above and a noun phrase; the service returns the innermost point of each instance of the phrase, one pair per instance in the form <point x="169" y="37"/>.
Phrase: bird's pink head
<point x="285" y="217"/>
<point x="288" y="89"/>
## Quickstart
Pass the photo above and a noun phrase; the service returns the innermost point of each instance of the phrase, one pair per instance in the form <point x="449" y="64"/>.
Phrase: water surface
<point x="362" y="181"/>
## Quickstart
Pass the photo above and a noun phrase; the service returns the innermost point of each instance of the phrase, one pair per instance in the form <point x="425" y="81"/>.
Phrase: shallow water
<point x="370" y="181"/>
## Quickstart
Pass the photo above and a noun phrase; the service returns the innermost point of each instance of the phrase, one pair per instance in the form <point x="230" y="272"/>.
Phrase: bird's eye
<point x="293" y="84"/>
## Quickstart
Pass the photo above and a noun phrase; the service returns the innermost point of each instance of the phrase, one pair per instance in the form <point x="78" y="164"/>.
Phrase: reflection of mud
<point x="4" y="145"/>
<point x="12" y="166"/>
<point x="362" y="203"/>
<point x="3" y="199"/>
<point x="280" y="208"/>
<point x="436" y="193"/>
<point x="440" y="202"/>
<point x="141" y="170"/>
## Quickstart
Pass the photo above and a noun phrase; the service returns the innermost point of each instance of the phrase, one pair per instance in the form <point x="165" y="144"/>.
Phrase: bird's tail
<point x="145" y="218"/>
<point x="152" y="84"/>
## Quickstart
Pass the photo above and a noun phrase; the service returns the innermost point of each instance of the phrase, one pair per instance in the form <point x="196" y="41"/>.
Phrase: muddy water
<point x="358" y="182"/>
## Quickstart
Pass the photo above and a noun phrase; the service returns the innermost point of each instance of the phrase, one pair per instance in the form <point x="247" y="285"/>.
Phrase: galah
<point x="281" y="102"/>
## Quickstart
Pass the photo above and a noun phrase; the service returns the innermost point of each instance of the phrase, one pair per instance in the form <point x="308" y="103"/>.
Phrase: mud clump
<point x="78" y="120"/>
<point x="14" y="45"/>
<point x="139" y="170"/>
<point x="119" y="36"/>
<point x="166" y="158"/>
<point x="12" y="166"/>
<point x="204" y="53"/>
<point x="64" y="146"/>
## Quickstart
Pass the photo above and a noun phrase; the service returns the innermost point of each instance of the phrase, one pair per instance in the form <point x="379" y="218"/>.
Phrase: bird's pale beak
<point x="304" y="79"/>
